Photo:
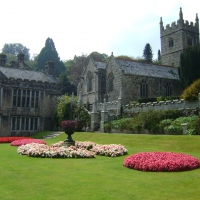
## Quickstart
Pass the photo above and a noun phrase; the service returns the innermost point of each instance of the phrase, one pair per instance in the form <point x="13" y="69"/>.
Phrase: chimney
<point x="20" y="57"/>
<point x="3" y="60"/>
<point x="49" y="67"/>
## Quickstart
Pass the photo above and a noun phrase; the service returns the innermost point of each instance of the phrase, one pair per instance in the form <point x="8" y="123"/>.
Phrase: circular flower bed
<point x="80" y="150"/>
<point x="161" y="162"/>
<point x="44" y="151"/>
<point x="26" y="141"/>
<point x="11" y="139"/>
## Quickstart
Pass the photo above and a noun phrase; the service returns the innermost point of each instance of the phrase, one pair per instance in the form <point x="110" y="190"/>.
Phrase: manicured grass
<point x="100" y="178"/>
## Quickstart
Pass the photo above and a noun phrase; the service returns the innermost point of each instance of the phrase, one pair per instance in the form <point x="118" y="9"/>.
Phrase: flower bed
<point x="26" y="141"/>
<point x="80" y="150"/>
<point x="111" y="150"/>
<point x="11" y="139"/>
<point x="44" y="151"/>
<point x="161" y="162"/>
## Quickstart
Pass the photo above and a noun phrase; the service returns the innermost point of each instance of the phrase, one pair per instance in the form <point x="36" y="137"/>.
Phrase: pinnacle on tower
<point x="181" y="15"/>
<point x="161" y="24"/>
<point x="197" y="20"/>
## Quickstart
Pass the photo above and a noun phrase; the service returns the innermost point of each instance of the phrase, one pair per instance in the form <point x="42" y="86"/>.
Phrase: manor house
<point x="139" y="80"/>
<point x="27" y="97"/>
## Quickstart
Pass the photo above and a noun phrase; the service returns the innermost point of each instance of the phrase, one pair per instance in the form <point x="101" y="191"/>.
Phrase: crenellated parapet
<point x="162" y="105"/>
<point x="176" y="26"/>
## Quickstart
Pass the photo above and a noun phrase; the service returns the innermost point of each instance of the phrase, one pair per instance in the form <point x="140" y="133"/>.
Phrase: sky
<point x="79" y="27"/>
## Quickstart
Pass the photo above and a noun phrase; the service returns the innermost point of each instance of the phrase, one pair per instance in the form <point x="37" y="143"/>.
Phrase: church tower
<point x="177" y="37"/>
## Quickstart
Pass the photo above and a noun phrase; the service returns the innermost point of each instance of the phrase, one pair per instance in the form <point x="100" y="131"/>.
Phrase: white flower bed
<point x="80" y="150"/>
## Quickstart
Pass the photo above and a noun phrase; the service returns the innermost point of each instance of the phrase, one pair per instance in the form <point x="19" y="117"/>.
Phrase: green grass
<point x="100" y="178"/>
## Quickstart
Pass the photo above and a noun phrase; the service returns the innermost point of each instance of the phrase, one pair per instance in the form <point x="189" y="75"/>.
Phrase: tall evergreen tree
<point x="147" y="53"/>
<point x="67" y="86"/>
<point x="159" y="55"/>
<point x="189" y="69"/>
<point x="49" y="53"/>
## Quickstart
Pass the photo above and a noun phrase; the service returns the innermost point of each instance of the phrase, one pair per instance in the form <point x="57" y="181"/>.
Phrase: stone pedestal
<point x="184" y="126"/>
<point x="68" y="144"/>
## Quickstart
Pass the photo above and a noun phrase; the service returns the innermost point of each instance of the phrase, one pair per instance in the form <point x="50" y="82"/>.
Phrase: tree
<point x="96" y="56"/>
<point x="159" y="55"/>
<point x="147" y="53"/>
<point x="189" y="69"/>
<point x="67" y="86"/>
<point x="15" y="49"/>
<point x="49" y="53"/>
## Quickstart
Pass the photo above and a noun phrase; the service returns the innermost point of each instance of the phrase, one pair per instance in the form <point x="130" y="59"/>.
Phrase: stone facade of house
<point x="175" y="38"/>
<point x="27" y="98"/>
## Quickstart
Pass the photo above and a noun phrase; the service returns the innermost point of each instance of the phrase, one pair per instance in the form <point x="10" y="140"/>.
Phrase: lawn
<point x="100" y="178"/>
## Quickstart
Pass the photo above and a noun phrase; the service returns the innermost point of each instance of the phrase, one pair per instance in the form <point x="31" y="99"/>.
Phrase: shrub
<point x="152" y="118"/>
<point x="148" y="120"/>
<point x="192" y="91"/>
<point x="161" y="98"/>
<point x="176" y="126"/>
<point x="197" y="126"/>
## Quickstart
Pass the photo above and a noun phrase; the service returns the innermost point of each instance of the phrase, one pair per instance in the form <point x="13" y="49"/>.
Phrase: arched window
<point x="110" y="82"/>
<point x="171" y="42"/>
<point x="144" y="89"/>
<point x="168" y="90"/>
<point x="89" y="81"/>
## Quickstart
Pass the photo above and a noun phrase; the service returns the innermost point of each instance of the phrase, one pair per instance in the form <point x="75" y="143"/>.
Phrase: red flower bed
<point x="26" y="141"/>
<point x="11" y="139"/>
<point x="161" y="162"/>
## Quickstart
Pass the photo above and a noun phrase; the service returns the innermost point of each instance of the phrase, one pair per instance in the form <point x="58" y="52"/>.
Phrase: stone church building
<point x="139" y="80"/>
<point x="136" y="79"/>
<point x="27" y="97"/>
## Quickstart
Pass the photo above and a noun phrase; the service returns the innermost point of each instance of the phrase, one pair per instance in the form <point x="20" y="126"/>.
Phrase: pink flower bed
<point x="161" y="162"/>
<point x="26" y="141"/>
<point x="11" y="139"/>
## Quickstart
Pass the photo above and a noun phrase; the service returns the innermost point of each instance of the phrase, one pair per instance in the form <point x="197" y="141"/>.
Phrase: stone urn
<point x="69" y="131"/>
<point x="69" y="127"/>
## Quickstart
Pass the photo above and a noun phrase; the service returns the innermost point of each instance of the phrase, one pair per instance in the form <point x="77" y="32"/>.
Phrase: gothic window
<point x="110" y="82"/>
<point x="25" y="98"/>
<point x="24" y="123"/>
<point x="144" y="89"/>
<point x="89" y="81"/>
<point x="171" y="42"/>
<point x="168" y="90"/>
<point x="189" y="41"/>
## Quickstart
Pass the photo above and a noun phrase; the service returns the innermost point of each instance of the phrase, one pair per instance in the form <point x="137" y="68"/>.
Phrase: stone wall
<point x="117" y="81"/>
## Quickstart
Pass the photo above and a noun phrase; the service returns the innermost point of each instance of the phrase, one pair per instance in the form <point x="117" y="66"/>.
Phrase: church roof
<point x="9" y="72"/>
<point x="100" y="65"/>
<point x="146" y="69"/>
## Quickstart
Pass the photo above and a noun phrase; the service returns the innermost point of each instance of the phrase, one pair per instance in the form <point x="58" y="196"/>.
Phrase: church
<point x="139" y="80"/>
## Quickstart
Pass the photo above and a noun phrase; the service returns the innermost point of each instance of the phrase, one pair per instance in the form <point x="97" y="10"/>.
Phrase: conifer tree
<point x="147" y="53"/>
<point x="49" y="53"/>
<point x="189" y="69"/>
